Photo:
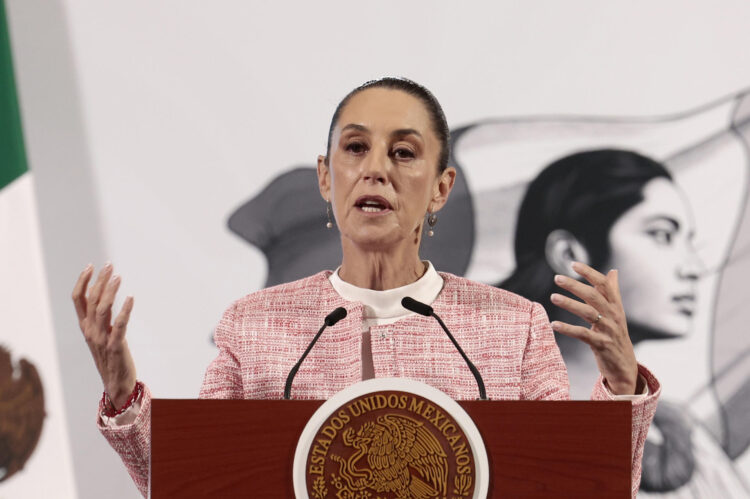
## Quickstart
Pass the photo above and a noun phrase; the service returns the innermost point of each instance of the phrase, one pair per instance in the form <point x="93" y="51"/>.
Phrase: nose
<point x="691" y="268"/>
<point x="376" y="166"/>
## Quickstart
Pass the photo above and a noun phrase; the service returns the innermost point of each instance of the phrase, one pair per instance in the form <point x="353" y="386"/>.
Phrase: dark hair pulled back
<point x="584" y="193"/>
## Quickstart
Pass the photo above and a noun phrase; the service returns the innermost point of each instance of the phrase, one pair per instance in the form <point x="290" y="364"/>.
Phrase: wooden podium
<point x="245" y="448"/>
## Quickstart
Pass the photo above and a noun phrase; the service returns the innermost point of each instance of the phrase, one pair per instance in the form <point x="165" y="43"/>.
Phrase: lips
<point x="373" y="204"/>
<point x="685" y="303"/>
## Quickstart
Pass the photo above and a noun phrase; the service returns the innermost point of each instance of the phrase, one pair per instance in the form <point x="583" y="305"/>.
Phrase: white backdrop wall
<point x="147" y="124"/>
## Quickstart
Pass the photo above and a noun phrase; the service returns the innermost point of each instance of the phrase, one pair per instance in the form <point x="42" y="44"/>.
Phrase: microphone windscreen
<point x="335" y="316"/>
<point x="418" y="307"/>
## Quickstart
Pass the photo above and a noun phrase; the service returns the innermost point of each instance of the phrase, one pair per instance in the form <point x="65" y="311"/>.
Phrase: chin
<point x="375" y="234"/>
<point x="667" y="327"/>
<point x="372" y="240"/>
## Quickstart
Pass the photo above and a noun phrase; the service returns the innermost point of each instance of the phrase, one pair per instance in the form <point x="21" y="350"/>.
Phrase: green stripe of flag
<point x="12" y="153"/>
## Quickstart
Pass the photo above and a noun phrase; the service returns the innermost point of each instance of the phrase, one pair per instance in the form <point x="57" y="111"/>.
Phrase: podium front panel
<point x="245" y="448"/>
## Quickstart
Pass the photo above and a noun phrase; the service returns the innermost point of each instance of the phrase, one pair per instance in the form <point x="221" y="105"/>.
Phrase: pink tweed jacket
<point x="262" y="335"/>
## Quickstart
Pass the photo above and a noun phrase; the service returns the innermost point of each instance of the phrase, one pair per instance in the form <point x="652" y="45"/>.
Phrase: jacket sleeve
<point x="132" y="441"/>
<point x="544" y="377"/>
<point x="644" y="409"/>
<point x="222" y="380"/>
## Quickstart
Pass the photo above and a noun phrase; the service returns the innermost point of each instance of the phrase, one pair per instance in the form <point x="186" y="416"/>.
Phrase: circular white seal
<point x="337" y="412"/>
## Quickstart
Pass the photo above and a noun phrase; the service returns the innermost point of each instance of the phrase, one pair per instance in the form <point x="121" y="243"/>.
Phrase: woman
<point x="610" y="209"/>
<point x="619" y="209"/>
<point x="385" y="171"/>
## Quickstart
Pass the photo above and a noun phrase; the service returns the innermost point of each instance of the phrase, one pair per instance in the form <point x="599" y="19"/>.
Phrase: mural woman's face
<point x="382" y="173"/>
<point x="652" y="249"/>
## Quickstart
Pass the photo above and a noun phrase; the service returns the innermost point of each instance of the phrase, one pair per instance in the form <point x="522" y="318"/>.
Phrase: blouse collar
<point x="387" y="304"/>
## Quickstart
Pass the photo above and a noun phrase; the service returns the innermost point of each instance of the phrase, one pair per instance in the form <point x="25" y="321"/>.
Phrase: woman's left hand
<point x="608" y="334"/>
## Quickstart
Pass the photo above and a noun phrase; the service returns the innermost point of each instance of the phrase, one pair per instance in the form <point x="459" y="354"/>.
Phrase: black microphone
<point x="420" y="308"/>
<point x="330" y="320"/>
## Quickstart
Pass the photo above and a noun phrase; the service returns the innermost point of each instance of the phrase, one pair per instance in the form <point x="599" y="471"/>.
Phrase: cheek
<point x="341" y="182"/>
<point x="629" y="258"/>
<point x="640" y="274"/>
<point x="645" y="286"/>
<point x="641" y="295"/>
<point x="648" y="281"/>
<point x="416" y="191"/>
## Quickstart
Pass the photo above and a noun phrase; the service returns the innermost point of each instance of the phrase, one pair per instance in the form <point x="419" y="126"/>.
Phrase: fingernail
<point x="559" y="279"/>
<point x="554" y="297"/>
<point x="575" y="265"/>
<point x="107" y="266"/>
<point x="116" y="278"/>
<point x="555" y="325"/>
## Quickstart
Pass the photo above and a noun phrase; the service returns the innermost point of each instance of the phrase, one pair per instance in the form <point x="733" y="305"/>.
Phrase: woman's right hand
<point x="105" y="338"/>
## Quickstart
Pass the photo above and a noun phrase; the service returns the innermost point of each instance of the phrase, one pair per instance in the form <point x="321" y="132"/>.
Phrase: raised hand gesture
<point x="106" y="338"/>
<point x="607" y="335"/>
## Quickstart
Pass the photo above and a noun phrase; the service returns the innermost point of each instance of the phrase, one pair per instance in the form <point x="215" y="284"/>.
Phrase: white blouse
<point x="384" y="307"/>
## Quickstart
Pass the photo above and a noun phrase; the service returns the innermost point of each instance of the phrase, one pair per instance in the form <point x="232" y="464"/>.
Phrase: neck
<point x="380" y="269"/>
<point x="639" y="333"/>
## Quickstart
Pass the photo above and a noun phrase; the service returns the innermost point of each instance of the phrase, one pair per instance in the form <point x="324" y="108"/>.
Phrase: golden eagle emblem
<point x="403" y="458"/>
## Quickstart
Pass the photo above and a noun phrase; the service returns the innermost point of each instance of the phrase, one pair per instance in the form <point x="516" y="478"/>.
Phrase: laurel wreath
<point x="462" y="485"/>
<point x="319" y="491"/>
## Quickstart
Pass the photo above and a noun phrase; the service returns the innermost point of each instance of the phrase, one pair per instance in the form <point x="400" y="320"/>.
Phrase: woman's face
<point x="657" y="266"/>
<point x="381" y="177"/>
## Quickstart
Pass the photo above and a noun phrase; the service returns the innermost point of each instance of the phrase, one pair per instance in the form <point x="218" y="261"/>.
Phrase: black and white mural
<point x="662" y="199"/>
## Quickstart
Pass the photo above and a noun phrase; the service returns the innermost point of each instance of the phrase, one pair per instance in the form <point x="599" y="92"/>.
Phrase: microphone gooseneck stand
<point x="418" y="307"/>
<point x="408" y="303"/>
<point x="330" y="320"/>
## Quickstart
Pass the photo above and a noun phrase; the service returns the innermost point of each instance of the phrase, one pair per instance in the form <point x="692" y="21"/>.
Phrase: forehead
<point x="384" y="109"/>
<point x="661" y="198"/>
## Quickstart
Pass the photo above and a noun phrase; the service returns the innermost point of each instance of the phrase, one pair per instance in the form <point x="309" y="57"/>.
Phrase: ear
<point x="443" y="187"/>
<point x="324" y="178"/>
<point x="562" y="249"/>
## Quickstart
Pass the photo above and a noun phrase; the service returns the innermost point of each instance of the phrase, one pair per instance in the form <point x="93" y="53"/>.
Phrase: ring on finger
<point x="598" y="318"/>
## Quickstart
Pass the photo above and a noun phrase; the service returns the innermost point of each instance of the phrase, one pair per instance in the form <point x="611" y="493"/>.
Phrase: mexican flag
<point x="35" y="458"/>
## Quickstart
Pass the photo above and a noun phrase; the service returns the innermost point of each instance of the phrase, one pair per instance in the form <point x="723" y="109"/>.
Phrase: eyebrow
<point x="396" y="133"/>
<point x="406" y="131"/>
<point x="353" y="126"/>
<point x="659" y="218"/>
